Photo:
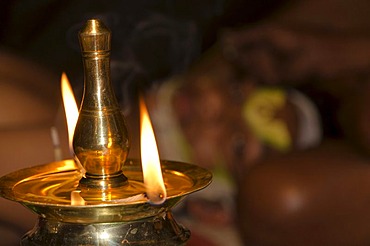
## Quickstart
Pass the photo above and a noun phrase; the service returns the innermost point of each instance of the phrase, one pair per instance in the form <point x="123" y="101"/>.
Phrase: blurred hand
<point x="274" y="54"/>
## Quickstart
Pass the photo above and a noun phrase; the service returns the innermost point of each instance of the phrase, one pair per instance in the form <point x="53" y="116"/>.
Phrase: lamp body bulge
<point x="100" y="141"/>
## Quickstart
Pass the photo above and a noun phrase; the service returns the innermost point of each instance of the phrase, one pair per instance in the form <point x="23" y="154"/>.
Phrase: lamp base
<point x="159" y="230"/>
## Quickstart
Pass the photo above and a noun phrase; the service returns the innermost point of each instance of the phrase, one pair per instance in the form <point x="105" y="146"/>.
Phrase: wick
<point x="56" y="143"/>
<point x="134" y="198"/>
<point x="155" y="198"/>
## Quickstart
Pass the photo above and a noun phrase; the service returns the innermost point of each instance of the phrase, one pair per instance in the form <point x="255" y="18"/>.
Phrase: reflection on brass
<point x="100" y="141"/>
<point x="47" y="190"/>
<point x="54" y="232"/>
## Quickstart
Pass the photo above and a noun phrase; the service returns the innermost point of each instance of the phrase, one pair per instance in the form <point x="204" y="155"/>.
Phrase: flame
<point x="152" y="173"/>
<point x="71" y="113"/>
<point x="70" y="108"/>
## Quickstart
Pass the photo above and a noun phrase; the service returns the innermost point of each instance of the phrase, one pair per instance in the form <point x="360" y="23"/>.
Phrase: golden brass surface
<point x="160" y="230"/>
<point x="101" y="141"/>
<point x="46" y="189"/>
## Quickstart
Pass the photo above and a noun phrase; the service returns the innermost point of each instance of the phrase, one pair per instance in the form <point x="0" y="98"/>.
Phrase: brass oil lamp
<point x="101" y="197"/>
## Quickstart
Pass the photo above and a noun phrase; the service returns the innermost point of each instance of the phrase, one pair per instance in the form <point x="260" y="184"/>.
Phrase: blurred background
<point x="271" y="96"/>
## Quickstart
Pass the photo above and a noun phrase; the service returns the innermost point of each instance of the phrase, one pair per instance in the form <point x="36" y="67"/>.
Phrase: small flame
<point x="76" y="198"/>
<point x="70" y="108"/>
<point x="152" y="173"/>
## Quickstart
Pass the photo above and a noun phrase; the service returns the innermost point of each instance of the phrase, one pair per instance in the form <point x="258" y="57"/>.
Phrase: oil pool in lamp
<point x="100" y="197"/>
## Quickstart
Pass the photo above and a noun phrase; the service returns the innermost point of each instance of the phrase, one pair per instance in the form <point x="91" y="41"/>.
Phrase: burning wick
<point x="71" y="112"/>
<point x="70" y="108"/>
<point x="152" y="173"/>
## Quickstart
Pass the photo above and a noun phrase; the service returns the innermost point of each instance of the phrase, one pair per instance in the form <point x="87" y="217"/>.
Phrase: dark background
<point x="151" y="39"/>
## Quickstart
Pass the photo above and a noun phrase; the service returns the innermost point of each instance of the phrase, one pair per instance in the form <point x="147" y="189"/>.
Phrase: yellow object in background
<point x="260" y="113"/>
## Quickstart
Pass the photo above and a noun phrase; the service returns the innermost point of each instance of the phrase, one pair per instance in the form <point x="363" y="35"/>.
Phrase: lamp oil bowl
<point x="49" y="190"/>
<point x="101" y="197"/>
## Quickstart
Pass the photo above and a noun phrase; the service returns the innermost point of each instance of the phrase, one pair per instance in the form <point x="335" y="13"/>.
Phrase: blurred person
<point x="278" y="112"/>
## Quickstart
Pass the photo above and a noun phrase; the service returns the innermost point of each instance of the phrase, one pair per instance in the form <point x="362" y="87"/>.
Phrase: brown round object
<point x="317" y="197"/>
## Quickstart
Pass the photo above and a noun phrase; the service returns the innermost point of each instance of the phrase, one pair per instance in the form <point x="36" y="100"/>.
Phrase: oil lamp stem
<point x="100" y="140"/>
